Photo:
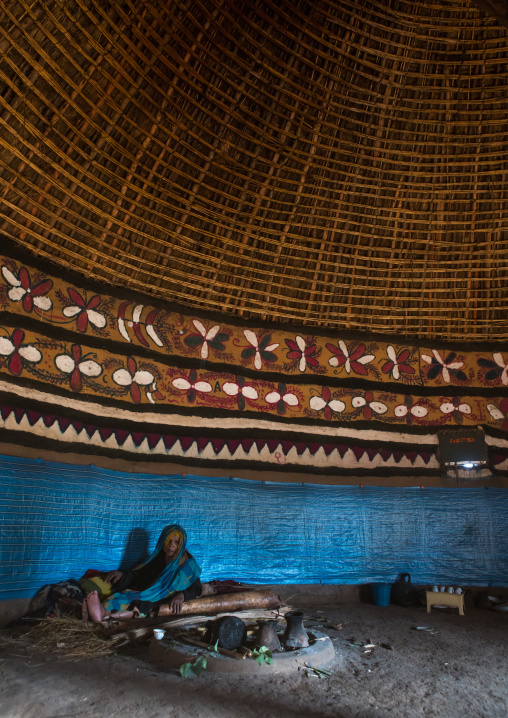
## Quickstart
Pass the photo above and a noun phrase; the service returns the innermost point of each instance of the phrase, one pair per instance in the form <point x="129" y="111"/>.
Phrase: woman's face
<point x="171" y="547"/>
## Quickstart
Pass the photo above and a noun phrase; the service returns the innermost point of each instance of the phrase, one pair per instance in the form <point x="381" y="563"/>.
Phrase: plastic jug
<point x="403" y="591"/>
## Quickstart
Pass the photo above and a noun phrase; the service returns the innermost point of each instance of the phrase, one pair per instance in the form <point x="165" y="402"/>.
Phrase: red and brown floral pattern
<point x="84" y="312"/>
<point x="51" y="300"/>
<point x="18" y="353"/>
<point x="133" y="378"/>
<point x="397" y="364"/>
<point x="81" y="369"/>
<point x="22" y="289"/>
<point x="77" y="366"/>
<point x="326" y="404"/>
<point x="305" y="354"/>
<point x="351" y="358"/>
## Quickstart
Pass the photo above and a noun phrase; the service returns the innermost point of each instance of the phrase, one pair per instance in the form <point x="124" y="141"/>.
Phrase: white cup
<point x="435" y="589"/>
<point x="158" y="633"/>
<point x="449" y="589"/>
<point x="442" y="589"/>
<point x="458" y="591"/>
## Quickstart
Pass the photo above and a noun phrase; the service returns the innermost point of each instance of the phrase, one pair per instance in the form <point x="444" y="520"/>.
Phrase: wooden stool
<point x="445" y="599"/>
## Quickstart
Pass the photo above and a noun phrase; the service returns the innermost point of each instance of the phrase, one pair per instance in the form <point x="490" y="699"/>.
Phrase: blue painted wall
<point x="57" y="520"/>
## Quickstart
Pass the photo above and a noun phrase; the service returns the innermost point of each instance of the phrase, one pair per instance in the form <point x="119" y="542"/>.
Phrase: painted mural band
<point x="86" y="371"/>
<point x="28" y="292"/>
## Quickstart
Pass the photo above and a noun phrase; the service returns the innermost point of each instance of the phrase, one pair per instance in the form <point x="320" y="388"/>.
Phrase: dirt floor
<point x="458" y="669"/>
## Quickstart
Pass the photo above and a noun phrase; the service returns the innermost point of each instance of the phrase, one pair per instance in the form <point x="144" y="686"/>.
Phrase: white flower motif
<point x="273" y="397"/>
<point x="16" y="292"/>
<point x="21" y="289"/>
<point x="418" y="411"/>
<point x="392" y="355"/>
<point x="440" y="360"/>
<point x="254" y="341"/>
<point x="14" y="348"/>
<point x="377" y="406"/>
<point x="447" y="407"/>
<point x="28" y="352"/>
<point x="74" y="365"/>
<point x="95" y="318"/>
<point x="122" y="377"/>
<point x="6" y="346"/>
<point x="302" y="346"/>
<point x="318" y="404"/>
<point x="232" y="389"/>
<point x="207" y="336"/>
<point x="184" y="385"/>
<point x="67" y="364"/>
<point x="135" y="324"/>
<point x="498" y="358"/>
<point x="122" y="328"/>
<point x="150" y="328"/>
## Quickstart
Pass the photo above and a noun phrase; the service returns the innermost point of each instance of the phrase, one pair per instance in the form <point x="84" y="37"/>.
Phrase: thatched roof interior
<point x="337" y="163"/>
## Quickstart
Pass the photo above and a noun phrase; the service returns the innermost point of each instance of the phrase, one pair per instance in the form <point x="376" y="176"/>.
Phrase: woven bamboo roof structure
<point x="332" y="163"/>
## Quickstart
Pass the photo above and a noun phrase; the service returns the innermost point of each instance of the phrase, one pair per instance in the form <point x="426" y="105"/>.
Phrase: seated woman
<point x="169" y="574"/>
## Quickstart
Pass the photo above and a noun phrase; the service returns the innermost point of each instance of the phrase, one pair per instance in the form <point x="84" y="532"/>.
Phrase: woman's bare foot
<point x="84" y="610"/>
<point x="95" y="609"/>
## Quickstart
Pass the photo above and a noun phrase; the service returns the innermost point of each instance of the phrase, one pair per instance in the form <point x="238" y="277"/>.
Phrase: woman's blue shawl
<point x="176" y="576"/>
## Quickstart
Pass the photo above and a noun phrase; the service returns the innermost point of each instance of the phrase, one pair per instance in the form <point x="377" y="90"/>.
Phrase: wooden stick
<point x="224" y="651"/>
<point x="118" y="633"/>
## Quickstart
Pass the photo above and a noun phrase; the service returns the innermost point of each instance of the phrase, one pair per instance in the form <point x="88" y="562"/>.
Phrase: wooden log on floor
<point x="211" y="605"/>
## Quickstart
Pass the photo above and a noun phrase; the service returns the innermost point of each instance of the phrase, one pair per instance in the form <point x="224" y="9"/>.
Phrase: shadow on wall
<point x="135" y="552"/>
<point x="136" y="549"/>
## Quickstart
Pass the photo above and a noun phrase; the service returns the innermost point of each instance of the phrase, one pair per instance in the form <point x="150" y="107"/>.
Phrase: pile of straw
<point x="66" y="638"/>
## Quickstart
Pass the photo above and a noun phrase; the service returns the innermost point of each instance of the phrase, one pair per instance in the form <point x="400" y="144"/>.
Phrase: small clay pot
<point x="295" y="635"/>
<point x="267" y="635"/>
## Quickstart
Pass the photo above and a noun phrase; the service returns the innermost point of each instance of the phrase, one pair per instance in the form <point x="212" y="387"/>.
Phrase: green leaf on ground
<point x="262" y="655"/>
<point x="193" y="669"/>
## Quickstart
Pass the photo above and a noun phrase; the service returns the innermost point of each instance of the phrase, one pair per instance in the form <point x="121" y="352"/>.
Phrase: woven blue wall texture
<point x="57" y="520"/>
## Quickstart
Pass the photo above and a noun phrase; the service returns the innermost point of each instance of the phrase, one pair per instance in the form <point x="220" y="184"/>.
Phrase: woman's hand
<point x="113" y="576"/>
<point x="176" y="602"/>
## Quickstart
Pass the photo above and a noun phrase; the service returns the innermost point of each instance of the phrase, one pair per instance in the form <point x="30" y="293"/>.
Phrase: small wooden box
<point x="436" y="598"/>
